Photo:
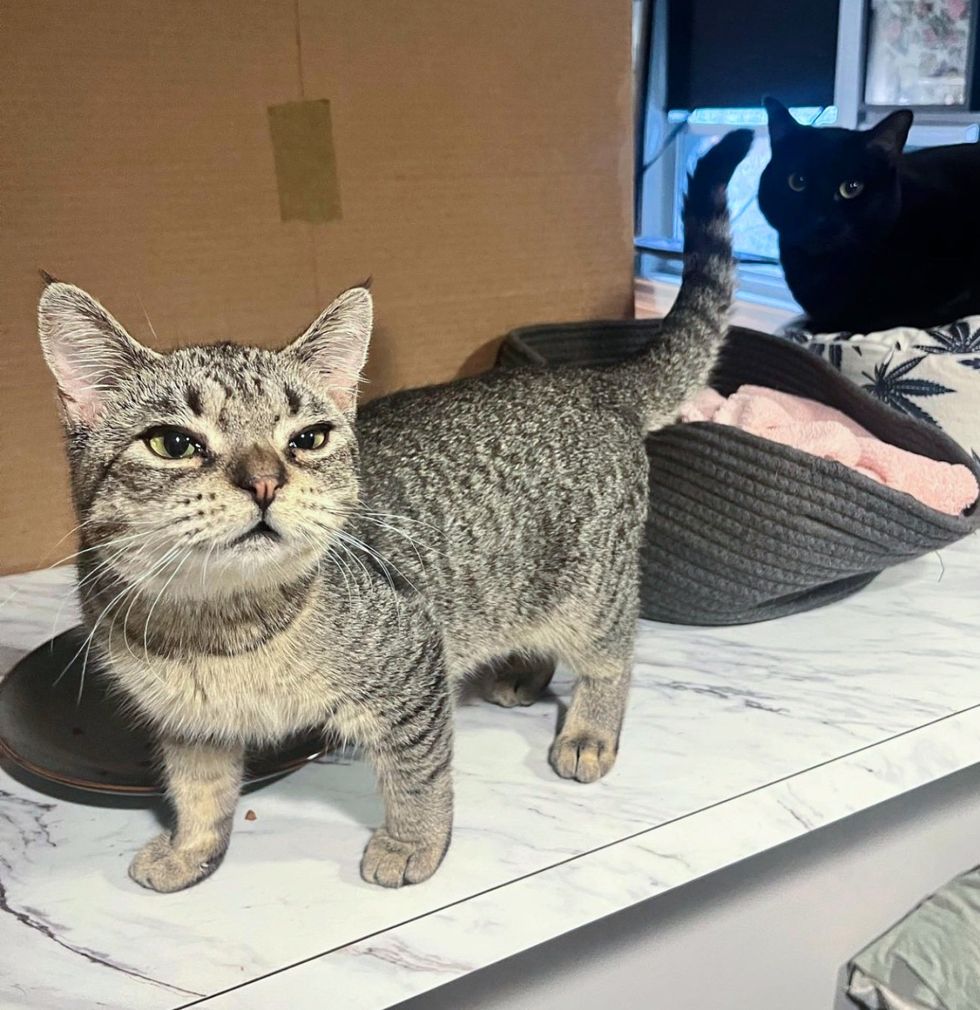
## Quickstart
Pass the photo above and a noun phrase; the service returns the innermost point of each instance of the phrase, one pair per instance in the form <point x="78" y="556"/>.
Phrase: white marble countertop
<point x="736" y="740"/>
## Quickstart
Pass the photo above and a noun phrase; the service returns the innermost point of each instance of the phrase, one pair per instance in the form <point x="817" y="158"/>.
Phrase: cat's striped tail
<point x="690" y="336"/>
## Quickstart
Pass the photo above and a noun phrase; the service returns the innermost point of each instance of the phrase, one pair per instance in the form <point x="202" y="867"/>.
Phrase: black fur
<point x="904" y="251"/>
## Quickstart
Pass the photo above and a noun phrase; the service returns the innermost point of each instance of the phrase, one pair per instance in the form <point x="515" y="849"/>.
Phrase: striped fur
<point x="487" y="526"/>
<point x="693" y="330"/>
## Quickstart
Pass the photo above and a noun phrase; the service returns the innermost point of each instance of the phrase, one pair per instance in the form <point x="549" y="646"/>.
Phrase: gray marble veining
<point x="736" y="739"/>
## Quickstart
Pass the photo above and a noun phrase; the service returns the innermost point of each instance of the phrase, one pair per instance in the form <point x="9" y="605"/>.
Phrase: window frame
<point x="658" y="163"/>
<point x="944" y="113"/>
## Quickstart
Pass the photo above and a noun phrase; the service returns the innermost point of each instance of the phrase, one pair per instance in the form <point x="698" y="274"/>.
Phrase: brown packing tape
<point x="306" y="166"/>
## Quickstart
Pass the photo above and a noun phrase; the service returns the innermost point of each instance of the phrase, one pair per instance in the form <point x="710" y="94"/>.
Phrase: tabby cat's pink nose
<point x="264" y="489"/>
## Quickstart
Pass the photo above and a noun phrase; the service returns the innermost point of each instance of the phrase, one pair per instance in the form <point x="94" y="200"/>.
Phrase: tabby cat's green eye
<point x="172" y="443"/>
<point x="797" y="182"/>
<point x="850" y="188"/>
<point x="310" y="438"/>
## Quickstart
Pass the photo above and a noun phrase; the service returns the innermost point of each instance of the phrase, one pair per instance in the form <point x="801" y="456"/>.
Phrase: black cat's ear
<point x="891" y="133"/>
<point x="781" y="123"/>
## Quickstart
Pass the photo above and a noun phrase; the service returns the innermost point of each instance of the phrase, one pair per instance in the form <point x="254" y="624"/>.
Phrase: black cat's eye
<point x="850" y="188"/>
<point x="797" y="182"/>
<point x="311" y="439"/>
<point x="172" y="443"/>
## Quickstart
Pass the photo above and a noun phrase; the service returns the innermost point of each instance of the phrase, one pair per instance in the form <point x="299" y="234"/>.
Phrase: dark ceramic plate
<point x="86" y="741"/>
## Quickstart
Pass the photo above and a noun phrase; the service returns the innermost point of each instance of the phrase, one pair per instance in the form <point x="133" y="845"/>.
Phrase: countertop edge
<point x="418" y="955"/>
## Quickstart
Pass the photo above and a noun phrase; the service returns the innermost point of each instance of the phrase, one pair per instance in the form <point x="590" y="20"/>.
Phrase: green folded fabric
<point x="928" y="961"/>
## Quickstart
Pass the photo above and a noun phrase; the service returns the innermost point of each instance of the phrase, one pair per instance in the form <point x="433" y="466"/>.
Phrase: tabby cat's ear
<point x="781" y="123"/>
<point x="88" y="352"/>
<point x="336" y="344"/>
<point x="891" y="133"/>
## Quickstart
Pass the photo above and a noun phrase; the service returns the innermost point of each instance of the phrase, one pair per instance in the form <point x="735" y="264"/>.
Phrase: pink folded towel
<point x="825" y="432"/>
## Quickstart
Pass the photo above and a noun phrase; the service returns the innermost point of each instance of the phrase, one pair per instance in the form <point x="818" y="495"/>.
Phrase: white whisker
<point x="86" y="645"/>
<point x="149" y="616"/>
<point x="383" y="562"/>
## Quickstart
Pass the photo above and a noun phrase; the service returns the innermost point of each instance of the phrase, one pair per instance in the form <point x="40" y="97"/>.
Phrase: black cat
<point x="870" y="237"/>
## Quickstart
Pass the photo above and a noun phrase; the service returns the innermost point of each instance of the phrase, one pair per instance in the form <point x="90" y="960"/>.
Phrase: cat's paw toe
<point x="391" y="862"/>
<point x="584" y="757"/>
<point x="518" y="682"/>
<point x="508" y="693"/>
<point x="161" y="867"/>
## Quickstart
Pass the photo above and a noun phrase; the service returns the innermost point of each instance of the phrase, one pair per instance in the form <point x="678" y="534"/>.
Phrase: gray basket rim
<point x="961" y="524"/>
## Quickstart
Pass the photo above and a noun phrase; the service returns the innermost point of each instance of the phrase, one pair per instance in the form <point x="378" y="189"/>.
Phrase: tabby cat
<point x="255" y="562"/>
<point x="871" y="237"/>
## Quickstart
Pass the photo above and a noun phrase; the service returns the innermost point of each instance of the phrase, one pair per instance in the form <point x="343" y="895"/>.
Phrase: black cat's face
<point x="830" y="189"/>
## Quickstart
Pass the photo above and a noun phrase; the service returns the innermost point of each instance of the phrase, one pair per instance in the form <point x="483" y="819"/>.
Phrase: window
<point x="918" y="52"/>
<point x="889" y="53"/>
<point x="753" y="237"/>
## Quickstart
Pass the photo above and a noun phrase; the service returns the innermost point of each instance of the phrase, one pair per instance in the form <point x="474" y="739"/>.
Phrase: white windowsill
<point x="653" y="298"/>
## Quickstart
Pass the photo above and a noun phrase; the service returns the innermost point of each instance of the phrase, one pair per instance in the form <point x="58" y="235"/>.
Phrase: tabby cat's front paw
<point x="583" y="756"/>
<point x="161" y="867"/>
<point x="391" y="862"/>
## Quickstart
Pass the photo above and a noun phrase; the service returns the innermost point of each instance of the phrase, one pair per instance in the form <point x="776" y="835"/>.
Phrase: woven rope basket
<point x="742" y="529"/>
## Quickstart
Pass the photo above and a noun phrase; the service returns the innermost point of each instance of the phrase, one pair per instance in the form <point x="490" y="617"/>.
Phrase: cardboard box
<point x="474" y="158"/>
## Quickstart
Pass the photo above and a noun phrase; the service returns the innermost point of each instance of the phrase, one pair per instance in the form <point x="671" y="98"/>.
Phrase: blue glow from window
<point x="808" y="115"/>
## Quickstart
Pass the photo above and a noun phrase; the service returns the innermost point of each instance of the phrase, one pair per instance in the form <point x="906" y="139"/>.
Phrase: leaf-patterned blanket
<point x="933" y="374"/>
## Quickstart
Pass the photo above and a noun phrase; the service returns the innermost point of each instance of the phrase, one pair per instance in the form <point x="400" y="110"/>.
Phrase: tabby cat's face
<point x="827" y="189"/>
<point x="207" y="469"/>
